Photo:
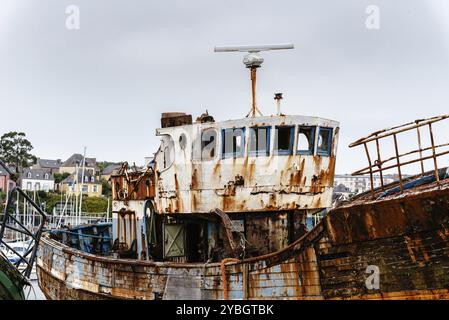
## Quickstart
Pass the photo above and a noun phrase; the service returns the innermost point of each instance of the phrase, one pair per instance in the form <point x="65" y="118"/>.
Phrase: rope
<point x="224" y="280"/>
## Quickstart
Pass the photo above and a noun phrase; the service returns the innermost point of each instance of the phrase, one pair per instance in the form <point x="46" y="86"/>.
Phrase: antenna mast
<point x="252" y="61"/>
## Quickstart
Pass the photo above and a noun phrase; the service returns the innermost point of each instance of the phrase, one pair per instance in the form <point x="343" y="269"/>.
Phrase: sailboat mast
<point x="82" y="184"/>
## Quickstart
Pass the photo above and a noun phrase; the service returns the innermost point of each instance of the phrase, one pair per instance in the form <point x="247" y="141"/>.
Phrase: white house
<point x="37" y="179"/>
<point x="361" y="183"/>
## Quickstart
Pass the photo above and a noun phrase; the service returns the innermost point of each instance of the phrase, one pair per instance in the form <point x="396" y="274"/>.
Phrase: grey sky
<point x="105" y="85"/>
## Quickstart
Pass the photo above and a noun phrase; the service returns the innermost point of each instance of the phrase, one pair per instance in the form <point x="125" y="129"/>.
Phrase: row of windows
<point x="84" y="188"/>
<point x="46" y="176"/>
<point x="233" y="141"/>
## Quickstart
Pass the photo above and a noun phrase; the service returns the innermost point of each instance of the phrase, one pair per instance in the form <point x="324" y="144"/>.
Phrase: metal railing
<point x="9" y="221"/>
<point x="379" y="165"/>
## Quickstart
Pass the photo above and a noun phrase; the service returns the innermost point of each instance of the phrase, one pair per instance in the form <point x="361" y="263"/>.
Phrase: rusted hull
<point x="405" y="238"/>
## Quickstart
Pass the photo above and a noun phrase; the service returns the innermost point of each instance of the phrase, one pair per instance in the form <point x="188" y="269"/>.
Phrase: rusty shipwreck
<point x="239" y="209"/>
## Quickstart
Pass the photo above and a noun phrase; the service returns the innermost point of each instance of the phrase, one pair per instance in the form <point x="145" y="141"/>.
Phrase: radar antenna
<point x="252" y="61"/>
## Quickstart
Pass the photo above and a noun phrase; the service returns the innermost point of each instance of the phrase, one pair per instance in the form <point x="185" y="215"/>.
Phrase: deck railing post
<point x="398" y="162"/>
<point x="379" y="164"/>
<point x="370" y="169"/>
<point x="437" y="177"/>
<point x="420" y="150"/>
<point x="245" y="281"/>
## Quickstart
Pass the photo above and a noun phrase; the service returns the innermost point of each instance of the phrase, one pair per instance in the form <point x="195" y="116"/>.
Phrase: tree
<point x="15" y="150"/>
<point x="106" y="188"/>
<point x="60" y="176"/>
<point x="94" y="205"/>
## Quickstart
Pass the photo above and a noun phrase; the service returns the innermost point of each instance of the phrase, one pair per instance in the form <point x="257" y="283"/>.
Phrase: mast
<point x="82" y="184"/>
<point x="75" y="189"/>
<point x="252" y="61"/>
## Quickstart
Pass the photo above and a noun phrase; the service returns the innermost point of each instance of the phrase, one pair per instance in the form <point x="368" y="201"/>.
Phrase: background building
<point x="75" y="160"/>
<point x="37" y="179"/>
<point x="90" y="185"/>
<point x="6" y="183"/>
<point x="359" y="184"/>
<point x="109" y="170"/>
<point x="47" y="164"/>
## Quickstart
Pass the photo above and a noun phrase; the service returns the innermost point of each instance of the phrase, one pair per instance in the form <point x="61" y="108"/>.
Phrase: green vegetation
<point x="48" y="200"/>
<point x="60" y="176"/>
<point x="15" y="150"/>
<point x="94" y="204"/>
<point x="2" y="200"/>
<point x="106" y="188"/>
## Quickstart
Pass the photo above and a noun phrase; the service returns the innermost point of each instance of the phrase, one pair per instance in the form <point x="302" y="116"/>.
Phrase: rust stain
<point x="297" y="176"/>
<point x="194" y="183"/>
<point x="416" y="249"/>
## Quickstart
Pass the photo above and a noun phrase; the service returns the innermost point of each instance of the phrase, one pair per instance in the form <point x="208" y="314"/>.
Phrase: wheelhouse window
<point x="208" y="144"/>
<point x="233" y="142"/>
<point x="259" y="141"/>
<point x="324" y="147"/>
<point x="306" y="140"/>
<point x="284" y="140"/>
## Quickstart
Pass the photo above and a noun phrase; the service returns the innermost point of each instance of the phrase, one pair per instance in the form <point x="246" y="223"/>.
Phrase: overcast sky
<point x="105" y="85"/>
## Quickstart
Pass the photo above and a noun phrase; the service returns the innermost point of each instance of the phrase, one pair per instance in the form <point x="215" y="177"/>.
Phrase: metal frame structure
<point x="10" y="222"/>
<point x="379" y="165"/>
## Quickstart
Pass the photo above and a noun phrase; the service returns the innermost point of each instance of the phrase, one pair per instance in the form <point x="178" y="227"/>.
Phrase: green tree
<point x="15" y="150"/>
<point x="2" y="201"/>
<point x="106" y="188"/>
<point x="60" y="176"/>
<point x="94" y="204"/>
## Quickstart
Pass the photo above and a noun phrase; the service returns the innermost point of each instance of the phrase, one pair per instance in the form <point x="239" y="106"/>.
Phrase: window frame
<point x="227" y="155"/>
<point x="328" y="153"/>
<point x="257" y="153"/>
<point x="313" y="138"/>
<point x="276" y="150"/>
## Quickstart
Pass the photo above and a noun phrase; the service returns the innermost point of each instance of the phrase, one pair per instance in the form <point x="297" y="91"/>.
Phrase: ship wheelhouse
<point x="249" y="165"/>
<point x="236" y="188"/>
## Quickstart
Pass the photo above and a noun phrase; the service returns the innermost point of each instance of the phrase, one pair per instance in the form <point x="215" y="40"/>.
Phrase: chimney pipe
<point x="278" y="98"/>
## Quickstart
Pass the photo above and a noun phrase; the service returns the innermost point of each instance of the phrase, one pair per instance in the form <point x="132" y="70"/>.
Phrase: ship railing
<point x="55" y="221"/>
<point x="10" y="222"/>
<point x="418" y="155"/>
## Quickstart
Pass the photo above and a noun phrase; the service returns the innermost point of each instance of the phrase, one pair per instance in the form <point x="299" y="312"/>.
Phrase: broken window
<point x="284" y="140"/>
<point x="259" y="141"/>
<point x="233" y="142"/>
<point x="324" y="147"/>
<point x="208" y="144"/>
<point x="306" y="140"/>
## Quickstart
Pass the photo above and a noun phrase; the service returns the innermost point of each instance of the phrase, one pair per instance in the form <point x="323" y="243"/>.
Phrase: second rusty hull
<point x="405" y="238"/>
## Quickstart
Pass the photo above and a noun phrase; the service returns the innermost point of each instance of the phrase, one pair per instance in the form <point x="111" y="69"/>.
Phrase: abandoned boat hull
<point x="405" y="238"/>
